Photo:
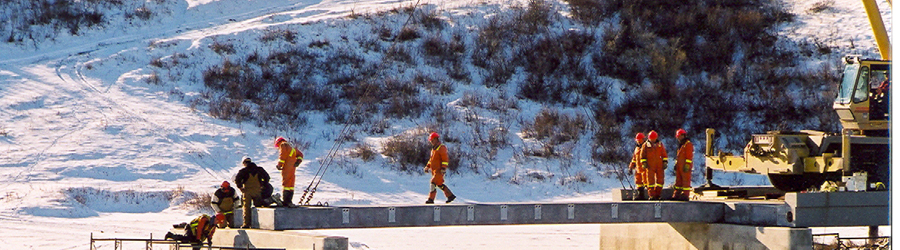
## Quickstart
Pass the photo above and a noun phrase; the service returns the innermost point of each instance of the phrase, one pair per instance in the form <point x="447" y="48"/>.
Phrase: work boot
<point x="429" y="201"/>
<point x="169" y="236"/>
<point x="451" y="198"/>
<point x="288" y="196"/>
<point x="640" y="194"/>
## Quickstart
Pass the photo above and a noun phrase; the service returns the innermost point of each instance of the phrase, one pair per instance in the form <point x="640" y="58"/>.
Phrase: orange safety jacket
<point x="635" y="158"/>
<point x="654" y="154"/>
<point x="683" y="158"/>
<point x="438" y="164"/>
<point x="288" y="159"/>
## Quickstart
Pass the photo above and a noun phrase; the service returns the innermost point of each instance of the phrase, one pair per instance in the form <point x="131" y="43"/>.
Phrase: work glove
<point x="279" y="167"/>
<point x="425" y="169"/>
<point x="687" y="168"/>
<point x="645" y="165"/>
<point x="665" y="164"/>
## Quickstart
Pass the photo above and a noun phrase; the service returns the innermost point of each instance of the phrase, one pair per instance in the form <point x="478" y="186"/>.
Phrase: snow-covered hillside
<point x="107" y="131"/>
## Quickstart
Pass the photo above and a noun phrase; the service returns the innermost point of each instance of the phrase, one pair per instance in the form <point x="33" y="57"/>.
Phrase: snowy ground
<point x="86" y="146"/>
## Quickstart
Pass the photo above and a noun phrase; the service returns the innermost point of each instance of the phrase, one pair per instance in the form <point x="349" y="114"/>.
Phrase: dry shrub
<point x="433" y="86"/>
<point x="557" y="128"/>
<point x="154" y="79"/>
<point x="201" y="202"/>
<point x="363" y="151"/>
<point x="470" y="99"/>
<point x="143" y="13"/>
<point x="222" y="48"/>
<point x="399" y="107"/>
<point x="399" y="54"/>
<point x="431" y="20"/>
<point x="275" y="34"/>
<point x="408" y="33"/>
<point x="411" y="152"/>
<point x="822" y="5"/>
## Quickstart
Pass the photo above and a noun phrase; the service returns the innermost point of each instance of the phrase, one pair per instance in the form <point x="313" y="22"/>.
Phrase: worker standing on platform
<point x="683" y="166"/>
<point x="654" y="159"/>
<point x="222" y="202"/>
<point x="438" y="166"/>
<point x="638" y="169"/>
<point x="250" y="180"/>
<point x="288" y="160"/>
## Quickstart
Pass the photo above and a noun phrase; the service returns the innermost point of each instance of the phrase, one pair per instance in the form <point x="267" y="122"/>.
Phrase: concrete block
<point x="839" y="208"/>
<point x="690" y="235"/>
<point x="278" y="239"/>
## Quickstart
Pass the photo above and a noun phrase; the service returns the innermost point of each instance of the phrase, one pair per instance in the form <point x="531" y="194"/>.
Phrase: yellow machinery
<point x="796" y="161"/>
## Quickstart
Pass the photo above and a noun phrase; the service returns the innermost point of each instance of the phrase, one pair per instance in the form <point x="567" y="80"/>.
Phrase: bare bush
<point x="143" y="13"/>
<point x="222" y="48"/>
<point x="270" y="35"/>
<point x="558" y="128"/>
<point x="470" y="99"/>
<point x="201" y="202"/>
<point x="153" y="78"/>
<point x="432" y="85"/>
<point x="821" y="6"/>
<point x="408" y="33"/>
<point x="363" y="151"/>
<point x="431" y="20"/>
<point x="411" y="152"/>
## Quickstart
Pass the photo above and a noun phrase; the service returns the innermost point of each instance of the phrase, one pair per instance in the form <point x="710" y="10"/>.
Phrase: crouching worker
<point x="199" y="230"/>
<point x="223" y="203"/>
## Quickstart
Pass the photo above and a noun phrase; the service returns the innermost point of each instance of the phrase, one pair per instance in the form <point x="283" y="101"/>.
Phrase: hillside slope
<point x="117" y="131"/>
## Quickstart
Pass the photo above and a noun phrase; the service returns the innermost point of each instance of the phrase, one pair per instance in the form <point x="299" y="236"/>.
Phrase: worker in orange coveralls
<point x="683" y="166"/>
<point x="635" y="166"/>
<point x="438" y="166"/>
<point x="288" y="160"/>
<point x="654" y="159"/>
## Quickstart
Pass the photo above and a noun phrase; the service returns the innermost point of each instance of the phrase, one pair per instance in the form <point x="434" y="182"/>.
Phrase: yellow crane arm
<point x="881" y="37"/>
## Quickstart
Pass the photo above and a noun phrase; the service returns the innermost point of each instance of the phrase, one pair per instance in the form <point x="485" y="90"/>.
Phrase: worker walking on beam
<point x="654" y="160"/>
<point x="438" y="166"/>
<point x="288" y="160"/>
<point x="635" y="167"/>
<point x="683" y="166"/>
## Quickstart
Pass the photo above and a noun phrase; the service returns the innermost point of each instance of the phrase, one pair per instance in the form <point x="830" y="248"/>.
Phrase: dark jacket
<point x="224" y="201"/>
<point x="250" y="179"/>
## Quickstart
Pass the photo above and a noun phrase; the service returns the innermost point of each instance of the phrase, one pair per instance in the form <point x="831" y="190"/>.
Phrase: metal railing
<point x="148" y="244"/>
<point x="880" y="242"/>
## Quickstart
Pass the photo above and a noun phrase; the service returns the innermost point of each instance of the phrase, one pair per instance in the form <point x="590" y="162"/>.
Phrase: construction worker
<point x="438" y="166"/>
<point x="195" y="233"/>
<point x="637" y="169"/>
<point x="250" y="180"/>
<point x="222" y="202"/>
<point x="654" y="160"/>
<point x="288" y="160"/>
<point x="683" y="166"/>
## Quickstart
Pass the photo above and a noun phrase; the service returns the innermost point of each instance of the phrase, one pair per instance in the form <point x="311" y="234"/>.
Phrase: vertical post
<point x="845" y="151"/>
<point x="873" y="235"/>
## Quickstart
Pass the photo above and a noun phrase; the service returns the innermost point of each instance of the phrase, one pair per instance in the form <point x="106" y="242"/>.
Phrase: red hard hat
<point x="433" y="135"/>
<point x="639" y="137"/>
<point x="225" y="184"/>
<point x="652" y="135"/>
<point x="680" y="132"/>
<point x="278" y="141"/>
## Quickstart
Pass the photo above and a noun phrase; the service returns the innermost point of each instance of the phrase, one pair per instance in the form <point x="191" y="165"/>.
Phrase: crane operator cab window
<point x="879" y="95"/>
<point x="867" y="83"/>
